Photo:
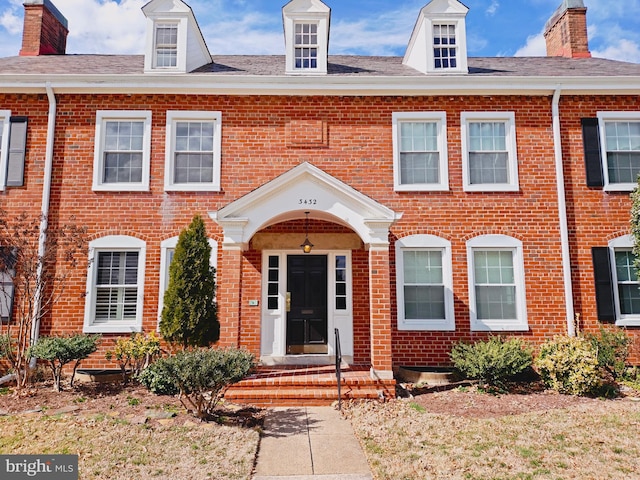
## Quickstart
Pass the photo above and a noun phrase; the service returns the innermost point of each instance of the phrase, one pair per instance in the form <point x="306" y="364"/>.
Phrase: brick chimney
<point x="566" y="31"/>
<point x="45" y="29"/>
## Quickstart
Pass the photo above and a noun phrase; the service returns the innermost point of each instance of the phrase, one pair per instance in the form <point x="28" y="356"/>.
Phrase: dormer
<point x="438" y="43"/>
<point x="306" y="36"/>
<point x="174" y="41"/>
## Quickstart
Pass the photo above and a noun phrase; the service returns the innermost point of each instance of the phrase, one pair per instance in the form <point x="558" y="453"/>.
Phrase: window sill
<point x="620" y="187"/>
<point x="192" y="188"/>
<point x="498" y="327"/>
<point x="426" y="325"/>
<point x="120" y="187"/>
<point x="422" y="187"/>
<point x="111" y="328"/>
<point x="628" y="322"/>
<point x="492" y="187"/>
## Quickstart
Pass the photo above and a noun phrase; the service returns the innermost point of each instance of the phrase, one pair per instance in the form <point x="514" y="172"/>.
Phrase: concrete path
<point x="309" y="443"/>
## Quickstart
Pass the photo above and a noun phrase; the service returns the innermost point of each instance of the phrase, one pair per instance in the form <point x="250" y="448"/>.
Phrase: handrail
<point x="338" y="369"/>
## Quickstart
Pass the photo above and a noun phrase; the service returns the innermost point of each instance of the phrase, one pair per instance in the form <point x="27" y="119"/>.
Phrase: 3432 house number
<point x="308" y="201"/>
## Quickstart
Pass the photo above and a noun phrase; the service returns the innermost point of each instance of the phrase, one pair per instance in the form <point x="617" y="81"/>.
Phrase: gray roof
<point x="339" y="65"/>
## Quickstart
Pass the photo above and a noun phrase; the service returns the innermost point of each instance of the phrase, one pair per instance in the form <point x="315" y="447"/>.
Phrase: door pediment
<point x="301" y="189"/>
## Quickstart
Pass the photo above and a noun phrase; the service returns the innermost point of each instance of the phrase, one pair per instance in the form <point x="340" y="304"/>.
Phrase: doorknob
<point x="288" y="301"/>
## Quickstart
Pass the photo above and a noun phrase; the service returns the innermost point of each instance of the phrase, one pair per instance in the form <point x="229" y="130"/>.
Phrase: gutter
<point x="562" y="214"/>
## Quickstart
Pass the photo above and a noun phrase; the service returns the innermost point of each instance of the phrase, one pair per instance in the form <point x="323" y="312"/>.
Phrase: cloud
<point x="493" y="8"/>
<point x="536" y="46"/>
<point x="623" y="50"/>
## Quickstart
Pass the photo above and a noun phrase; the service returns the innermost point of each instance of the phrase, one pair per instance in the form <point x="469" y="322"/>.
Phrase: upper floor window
<point x="115" y="285"/>
<point x="489" y="151"/>
<point x="420" y="151"/>
<point x="166" y="45"/>
<point x="193" y="151"/>
<point x="496" y="284"/>
<point x="620" y="149"/>
<point x="306" y="45"/>
<point x="445" y="48"/>
<point x="5" y="115"/>
<point x="122" y="150"/>
<point x="424" y="282"/>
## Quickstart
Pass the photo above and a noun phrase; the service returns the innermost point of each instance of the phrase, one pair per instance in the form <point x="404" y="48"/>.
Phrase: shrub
<point x="569" y="365"/>
<point x="59" y="351"/>
<point x="493" y="361"/>
<point x="612" y="347"/>
<point x="134" y="353"/>
<point x="158" y="378"/>
<point x="201" y="376"/>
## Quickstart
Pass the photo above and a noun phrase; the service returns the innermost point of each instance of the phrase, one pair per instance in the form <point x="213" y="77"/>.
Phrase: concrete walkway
<point x="309" y="443"/>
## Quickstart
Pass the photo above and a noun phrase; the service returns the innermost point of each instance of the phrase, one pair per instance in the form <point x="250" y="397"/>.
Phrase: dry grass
<point x="598" y="440"/>
<point x="114" y="449"/>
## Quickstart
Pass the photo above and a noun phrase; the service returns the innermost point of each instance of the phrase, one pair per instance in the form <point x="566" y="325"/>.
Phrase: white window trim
<point x="604" y="117"/>
<point x="461" y="45"/>
<point x="509" y="119"/>
<point x="621" y="243"/>
<point x="426" y="243"/>
<point x="498" y="243"/>
<point x="322" y="20"/>
<point x="174" y="116"/>
<point x="150" y="63"/>
<point x="114" y="243"/>
<point x="440" y="118"/>
<point x="102" y="116"/>
<point x="168" y="244"/>
<point x="5" y="115"/>
<point x="170" y="23"/>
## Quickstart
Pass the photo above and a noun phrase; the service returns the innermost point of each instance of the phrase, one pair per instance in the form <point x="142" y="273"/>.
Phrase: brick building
<point x="447" y="197"/>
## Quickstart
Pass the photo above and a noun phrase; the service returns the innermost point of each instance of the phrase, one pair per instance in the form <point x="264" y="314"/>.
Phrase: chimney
<point x="566" y="31"/>
<point x="45" y="29"/>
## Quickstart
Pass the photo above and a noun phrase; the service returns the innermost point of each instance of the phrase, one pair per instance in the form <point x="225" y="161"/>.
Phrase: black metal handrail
<point x="338" y="369"/>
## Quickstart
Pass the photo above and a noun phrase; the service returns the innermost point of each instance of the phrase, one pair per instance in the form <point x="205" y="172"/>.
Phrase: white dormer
<point x="174" y="41"/>
<point x="306" y="36"/>
<point x="439" y="40"/>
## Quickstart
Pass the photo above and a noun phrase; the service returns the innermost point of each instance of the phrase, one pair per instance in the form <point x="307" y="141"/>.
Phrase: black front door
<point x="306" y="304"/>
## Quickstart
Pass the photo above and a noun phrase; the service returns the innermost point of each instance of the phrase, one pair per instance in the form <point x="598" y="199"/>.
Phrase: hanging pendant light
<point x="307" y="245"/>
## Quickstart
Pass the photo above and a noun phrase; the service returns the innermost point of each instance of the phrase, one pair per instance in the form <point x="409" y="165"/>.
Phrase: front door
<point x="307" y="330"/>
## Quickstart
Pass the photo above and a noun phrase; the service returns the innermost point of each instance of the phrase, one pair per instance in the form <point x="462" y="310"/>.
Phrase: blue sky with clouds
<point x="367" y="27"/>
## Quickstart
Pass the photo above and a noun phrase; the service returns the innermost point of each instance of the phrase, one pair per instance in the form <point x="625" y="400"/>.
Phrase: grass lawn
<point x="404" y="441"/>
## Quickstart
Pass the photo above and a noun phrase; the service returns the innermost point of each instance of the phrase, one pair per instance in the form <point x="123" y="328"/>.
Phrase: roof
<point x="339" y="65"/>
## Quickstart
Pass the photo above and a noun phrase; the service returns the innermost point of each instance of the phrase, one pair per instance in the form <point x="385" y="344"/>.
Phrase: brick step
<point x="298" y="395"/>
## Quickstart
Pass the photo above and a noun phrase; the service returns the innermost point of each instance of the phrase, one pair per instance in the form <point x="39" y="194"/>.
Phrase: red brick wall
<point x="43" y="34"/>
<point x="359" y="153"/>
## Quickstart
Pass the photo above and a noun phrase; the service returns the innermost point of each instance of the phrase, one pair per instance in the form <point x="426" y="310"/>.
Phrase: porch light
<point x="307" y="245"/>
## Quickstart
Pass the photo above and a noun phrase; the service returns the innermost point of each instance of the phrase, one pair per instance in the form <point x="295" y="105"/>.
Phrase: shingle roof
<point x="339" y="65"/>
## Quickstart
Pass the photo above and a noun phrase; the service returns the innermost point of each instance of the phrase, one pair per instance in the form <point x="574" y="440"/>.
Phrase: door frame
<point x="273" y="335"/>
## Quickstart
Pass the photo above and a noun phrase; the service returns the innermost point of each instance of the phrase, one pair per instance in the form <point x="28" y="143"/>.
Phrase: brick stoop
<point x="308" y="385"/>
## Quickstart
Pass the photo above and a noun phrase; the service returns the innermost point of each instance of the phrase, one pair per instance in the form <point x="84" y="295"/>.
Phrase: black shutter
<point x="17" y="151"/>
<point x="604" y="284"/>
<point x="592" y="153"/>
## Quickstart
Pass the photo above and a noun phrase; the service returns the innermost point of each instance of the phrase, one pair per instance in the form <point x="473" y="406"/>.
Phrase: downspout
<point x="562" y="213"/>
<point x="44" y="220"/>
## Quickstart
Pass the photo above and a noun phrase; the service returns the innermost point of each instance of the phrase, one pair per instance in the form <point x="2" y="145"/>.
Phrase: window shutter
<point x="17" y="151"/>
<point x="592" y="153"/>
<point x="7" y="265"/>
<point x="604" y="284"/>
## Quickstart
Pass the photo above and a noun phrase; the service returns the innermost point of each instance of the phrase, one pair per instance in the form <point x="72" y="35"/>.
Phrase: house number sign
<point x="307" y="201"/>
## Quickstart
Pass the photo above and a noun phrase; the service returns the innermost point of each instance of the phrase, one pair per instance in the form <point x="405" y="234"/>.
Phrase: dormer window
<point x="306" y="46"/>
<point x="306" y="33"/>
<point x="438" y="43"/>
<point x="166" y="45"/>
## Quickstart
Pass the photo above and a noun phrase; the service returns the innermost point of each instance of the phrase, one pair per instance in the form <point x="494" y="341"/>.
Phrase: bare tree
<point x="35" y="265"/>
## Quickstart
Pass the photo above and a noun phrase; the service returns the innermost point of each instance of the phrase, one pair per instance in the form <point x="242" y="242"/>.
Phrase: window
<point x="420" y="151"/>
<point x="122" y="151"/>
<point x="342" y="283"/>
<point x="445" y="50"/>
<point x="489" y="151"/>
<point x="496" y="284"/>
<point x="617" y="285"/>
<point x="115" y="285"/>
<point x="424" y="283"/>
<point x="193" y="151"/>
<point x="167" y="250"/>
<point x="7" y="274"/>
<point x="620" y="149"/>
<point x="166" y="45"/>
<point x="306" y="46"/>
<point x="5" y="115"/>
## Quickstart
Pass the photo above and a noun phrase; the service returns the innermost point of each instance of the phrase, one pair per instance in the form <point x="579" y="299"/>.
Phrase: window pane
<point x="496" y="303"/>
<point x="488" y="168"/>
<point x="625" y="270"/>
<point x="114" y="301"/>
<point x="424" y="302"/>
<point x="623" y="151"/>
<point x="495" y="288"/>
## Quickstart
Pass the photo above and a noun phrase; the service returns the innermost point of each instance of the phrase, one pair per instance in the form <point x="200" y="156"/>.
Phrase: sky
<point x="358" y="27"/>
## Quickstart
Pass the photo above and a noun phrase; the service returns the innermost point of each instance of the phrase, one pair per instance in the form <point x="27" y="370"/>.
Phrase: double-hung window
<point x="420" y="151"/>
<point x="306" y="46"/>
<point x="7" y="274"/>
<point x="620" y="149"/>
<point x="166" y="45"/>
<point x="445" y="47"/>
<point x="496" y="284"/>
<point x="5" y="115"/>
<point x="489" y="154"/>
<point x="424" y="282"/>
<point x="115" y="285"/>
<point x="193" y="151"/>
<point x="122" y="150"/>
